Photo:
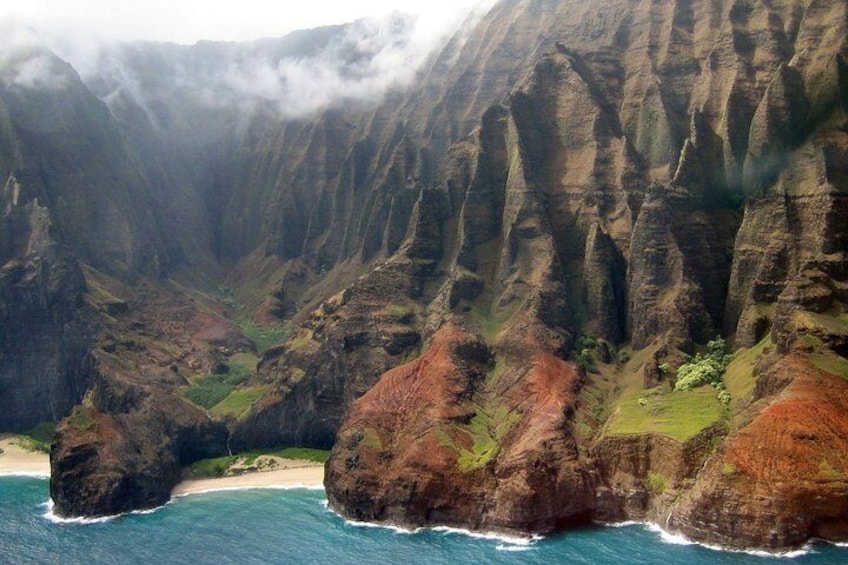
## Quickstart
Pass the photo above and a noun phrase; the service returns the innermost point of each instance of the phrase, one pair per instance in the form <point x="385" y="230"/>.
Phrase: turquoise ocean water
<point x="294" y="526"/>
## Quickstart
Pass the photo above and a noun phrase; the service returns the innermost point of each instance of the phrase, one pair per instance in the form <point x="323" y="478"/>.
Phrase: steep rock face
<point x="44" y="346"/>
<point x="88" y="181"/>
<point x="124" y="446"/>
<point x="640" y="476"/>
<point x="398" y="452"/>
<point x="780" y="480"/>
<point x="124" y="449"/>
<point x="351" y="339"/>
<point x="795" y="165"/>
<point x="612" y="171"/>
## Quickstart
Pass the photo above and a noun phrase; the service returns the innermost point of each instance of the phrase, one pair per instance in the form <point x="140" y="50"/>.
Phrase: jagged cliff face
<point x="632" y="185"/>
<point x="649" y="173"/>
<point x="43" y="335"/>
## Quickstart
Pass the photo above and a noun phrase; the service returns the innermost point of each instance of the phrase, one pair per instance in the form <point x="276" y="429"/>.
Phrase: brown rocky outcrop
<point x="44" y="342"/>
<point x="124" y="446"/>
<point x="124" y="449"/>
<point x="783" y="478"/>
<point x="452" y="438"/>
<point x="640" y="476"/>
<point x="610" y="172"/>
<point x="351" y="339"/>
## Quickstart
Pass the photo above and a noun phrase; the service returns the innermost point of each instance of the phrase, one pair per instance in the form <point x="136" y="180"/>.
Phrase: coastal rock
<point x="44" y="343"/>
<point x="334" y="357"/>
<point x="124" y="449"/>
<point x="433" y="443"/>
<point x="585" y="181"/>
<point x="783" y="478"/>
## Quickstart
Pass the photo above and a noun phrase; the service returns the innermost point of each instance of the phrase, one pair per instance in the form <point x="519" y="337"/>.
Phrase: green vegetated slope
<point x="821" y="355"/>
<point x="739" y="377"/>
<point x="250" y="461"/>
<point x="680" y="414"/>
<point x="222" y="392"/>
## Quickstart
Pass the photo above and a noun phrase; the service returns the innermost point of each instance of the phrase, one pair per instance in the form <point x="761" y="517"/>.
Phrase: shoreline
<point x="293" y="474"/>
<point x="288" y="474"/>
<point x="17" y="461"/>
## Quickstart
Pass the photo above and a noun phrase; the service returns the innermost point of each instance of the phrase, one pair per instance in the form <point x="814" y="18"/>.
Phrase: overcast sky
<point x="187" y="21"/>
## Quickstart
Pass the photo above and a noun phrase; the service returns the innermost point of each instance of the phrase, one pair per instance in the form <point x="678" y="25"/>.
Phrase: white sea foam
<point x="505" y="539"/>
<point x="52" y="517"/>
<point x="377" y="525"/>
<point x="248" y="487"/>
<point x="30" y="474"/>
<point x="625" y="524"/>
<point x="507" y="542"/>
<point x="680" y="539"/>
<point x="508" y="547"/>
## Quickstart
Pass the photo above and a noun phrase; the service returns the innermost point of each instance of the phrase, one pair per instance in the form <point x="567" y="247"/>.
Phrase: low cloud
<point x="25" y="62"/>
<point x="359" y="61"/>
<point x="362" y="63"/>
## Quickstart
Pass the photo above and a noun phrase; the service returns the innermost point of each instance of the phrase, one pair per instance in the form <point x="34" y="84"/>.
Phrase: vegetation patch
<point x="239" y="401"/>
<point x="264" y="337"/>
<point x="656" y="483"/>
<point x="492" y="322"/>
<point x="739" y="376"/>
<point x="822" y="323"/>
<point x="240" y="367"/>
<point x="830" y="362"/>
<point x="38" y="438"/>
<point x="82" y="419"/>
<point x="484" y="447"/>
<point x="220" y="466"/>
<point x="706" y="369"/>
<point x="211" y="389"/>
<point x="478" y="442"/>
<point x="304" y="453"/>
<point x="399" y="312"/>
<point x="594" y="406"/>
<point x="302" y="340"/>
<point x="215" y="467"/>
<point x="678" y="414"/>
<point x="486" y="430"/>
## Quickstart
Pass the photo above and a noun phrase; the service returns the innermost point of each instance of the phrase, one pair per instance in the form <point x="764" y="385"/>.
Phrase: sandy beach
<point x="289" y="473"/>
<point x="14" y="460"/>
<point x="286" y="473"/>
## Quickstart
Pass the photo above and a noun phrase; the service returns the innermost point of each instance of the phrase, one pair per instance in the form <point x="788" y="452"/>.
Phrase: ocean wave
<point x="680" y="539"/>
<point x="507" y="542"/>
<point x="377" y="525"/>
<point x="625" y="524"/>
<point x="29" y="474"/>
<point x="505" y="539"/>
<point x="248" y="487"/>
<point x="508" y="547"/>
<point x="51" y="516"/>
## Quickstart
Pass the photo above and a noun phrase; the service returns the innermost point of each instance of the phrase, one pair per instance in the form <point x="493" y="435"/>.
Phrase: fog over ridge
<point x="295" y="75"/>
